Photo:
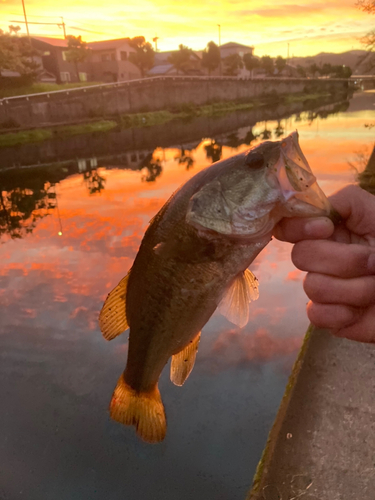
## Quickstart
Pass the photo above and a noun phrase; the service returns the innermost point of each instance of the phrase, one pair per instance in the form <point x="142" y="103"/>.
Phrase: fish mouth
<point x="300" y="190"/>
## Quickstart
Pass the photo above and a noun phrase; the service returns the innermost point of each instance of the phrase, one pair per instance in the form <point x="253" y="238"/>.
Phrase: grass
<point x="37" y="88"/>
<point x="304" y="97"/>
<point x="41" y="134"/>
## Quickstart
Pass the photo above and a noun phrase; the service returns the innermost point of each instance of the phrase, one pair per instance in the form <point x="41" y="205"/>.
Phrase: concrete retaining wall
<point x="149" y="94"/>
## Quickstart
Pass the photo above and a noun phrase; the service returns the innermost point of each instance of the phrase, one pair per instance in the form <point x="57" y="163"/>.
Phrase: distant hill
<point x="351" y="58"/>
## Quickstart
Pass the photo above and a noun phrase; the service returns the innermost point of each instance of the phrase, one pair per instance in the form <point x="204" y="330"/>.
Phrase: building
<point x="227" y="49"/>
<point x="230" y="48"/>
<point x="52" y="53"/>
<point x="109" y="61"/>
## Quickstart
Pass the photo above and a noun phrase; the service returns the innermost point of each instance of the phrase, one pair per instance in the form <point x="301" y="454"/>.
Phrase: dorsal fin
<point x="235" y="303"/>
<point x="183" y="362"/>
<point x="112" y="318"/>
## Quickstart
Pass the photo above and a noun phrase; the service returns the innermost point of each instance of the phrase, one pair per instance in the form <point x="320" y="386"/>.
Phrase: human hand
<point x="340" y="264"/>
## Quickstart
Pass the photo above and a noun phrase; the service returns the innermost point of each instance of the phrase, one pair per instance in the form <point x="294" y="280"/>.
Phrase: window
<point x="82" y="77"/>
<point x="105" y="57"/>
<point x="65" y="76"/>
<point x="124" y="55"/>
<point x="113" y="56"/>
<point x="63" y="55"/>
<point x="47" y="53"/>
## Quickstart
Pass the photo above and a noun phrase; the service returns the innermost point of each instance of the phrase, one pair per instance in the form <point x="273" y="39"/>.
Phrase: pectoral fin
<point x="235" y="304"/>
<point x="183" y="362"/>
<point x="112" y="318"/>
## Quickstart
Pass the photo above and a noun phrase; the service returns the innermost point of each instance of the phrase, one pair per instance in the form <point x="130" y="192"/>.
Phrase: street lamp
<point x="220" y="48"/>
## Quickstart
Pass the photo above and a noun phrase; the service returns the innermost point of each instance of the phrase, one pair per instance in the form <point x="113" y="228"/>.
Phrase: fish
<point x="193" y="259"/>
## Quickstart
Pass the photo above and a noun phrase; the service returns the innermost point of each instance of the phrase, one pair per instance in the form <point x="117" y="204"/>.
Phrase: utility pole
<point x="27" y="26"/>
<point x="63" y="26"/>
<point x="220" y="48"/>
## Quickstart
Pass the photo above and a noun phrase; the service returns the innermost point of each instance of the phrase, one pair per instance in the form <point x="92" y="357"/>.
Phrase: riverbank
<point x="177" y="94"/>
<point x="321" y="445"/>
<point x="148" y="119"/>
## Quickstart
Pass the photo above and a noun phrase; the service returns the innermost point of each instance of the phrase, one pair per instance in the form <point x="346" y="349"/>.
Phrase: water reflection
<point x="213" y="151"/>
<point x="57" y="373"/>
<point x="94" y="181"/>
<point x="185" y="158"/>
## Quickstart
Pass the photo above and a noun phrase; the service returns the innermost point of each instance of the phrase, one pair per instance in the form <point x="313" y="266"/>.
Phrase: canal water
<point x="71" y="224"/>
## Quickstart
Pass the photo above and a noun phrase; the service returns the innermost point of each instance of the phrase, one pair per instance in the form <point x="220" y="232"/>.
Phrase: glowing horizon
<point x="308" y="27"/>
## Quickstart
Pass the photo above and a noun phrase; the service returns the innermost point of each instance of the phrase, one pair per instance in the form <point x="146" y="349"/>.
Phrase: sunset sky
<point x="309" y="26"/>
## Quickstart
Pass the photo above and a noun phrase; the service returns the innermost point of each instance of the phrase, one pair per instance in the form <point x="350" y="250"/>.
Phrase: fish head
<point x="250" y="192"/>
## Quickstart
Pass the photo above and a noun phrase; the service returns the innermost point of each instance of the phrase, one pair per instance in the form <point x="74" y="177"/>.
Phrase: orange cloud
<point x="235" y="348"/>
<point x="295" y="275"/>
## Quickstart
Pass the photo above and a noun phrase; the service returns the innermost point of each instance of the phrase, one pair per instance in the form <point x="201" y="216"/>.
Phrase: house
<point x="109" y="61"/>
<point x="52" y="53"/>
<point x="230" y="48"/>
<point x="227" y="49"/>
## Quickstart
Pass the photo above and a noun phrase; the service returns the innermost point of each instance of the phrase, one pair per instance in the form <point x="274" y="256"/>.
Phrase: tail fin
<point x="144" y="410"/>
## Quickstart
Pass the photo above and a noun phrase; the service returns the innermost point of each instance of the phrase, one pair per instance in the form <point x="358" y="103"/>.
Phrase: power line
<point x="60" y="25"/>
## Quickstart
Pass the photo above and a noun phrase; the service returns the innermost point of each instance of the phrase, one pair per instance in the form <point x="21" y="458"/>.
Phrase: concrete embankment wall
<point x="150" y="94"/>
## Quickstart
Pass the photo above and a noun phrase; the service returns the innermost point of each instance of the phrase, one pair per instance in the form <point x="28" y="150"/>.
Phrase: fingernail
<point x="321" y="227"/>
<point x="371" y="263"/>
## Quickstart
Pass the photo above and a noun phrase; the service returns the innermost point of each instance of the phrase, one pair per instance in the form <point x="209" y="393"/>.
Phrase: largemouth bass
<point x="193" y="258"/>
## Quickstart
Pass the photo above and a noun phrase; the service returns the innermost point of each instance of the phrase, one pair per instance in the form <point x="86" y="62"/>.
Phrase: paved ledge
<point x="322" y="444"/>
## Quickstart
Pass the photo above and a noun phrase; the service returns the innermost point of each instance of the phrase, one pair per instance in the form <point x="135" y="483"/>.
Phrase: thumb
<point x="357" y="207"/>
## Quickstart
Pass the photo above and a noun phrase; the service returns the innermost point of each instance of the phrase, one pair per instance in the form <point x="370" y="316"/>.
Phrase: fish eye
<point x="254" y="160"/>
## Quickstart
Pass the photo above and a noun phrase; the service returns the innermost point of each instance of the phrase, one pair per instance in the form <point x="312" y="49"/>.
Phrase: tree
<point x="280" y="64"/>
<point x="232" y="64"/>
<point x="180" y="58"/>
<point x="211" y="57"/>
<point x="77" y="51"/>
<point x="144" y="54"/>
<point x="301" y="71"/>
<point x="251" y="62"/>
<point x="313" y="69"/>
<point x="267" y="64"/>
<point x="368" y="40"/>
<point x="16" y="54"/>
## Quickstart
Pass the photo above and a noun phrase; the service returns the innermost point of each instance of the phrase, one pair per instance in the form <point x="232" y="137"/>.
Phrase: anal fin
<point x="183" y="362"/>
<point x="144" y="410"/>
<point x="112" y="318"/>
<point x="235" y="304"/>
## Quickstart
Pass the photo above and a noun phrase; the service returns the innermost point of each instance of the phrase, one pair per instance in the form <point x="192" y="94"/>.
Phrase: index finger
<point x="298" y="229"/>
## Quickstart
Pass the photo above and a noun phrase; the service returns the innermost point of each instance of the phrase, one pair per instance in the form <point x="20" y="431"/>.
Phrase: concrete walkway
<point x="322" y="445"/>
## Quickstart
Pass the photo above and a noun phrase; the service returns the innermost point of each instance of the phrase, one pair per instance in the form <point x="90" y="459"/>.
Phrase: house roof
<point x="109" y="44"/>
<point x="160" y="69"/>
<point x="235" y="44"/>
<point x="161" y="57"/>
<point x="56" y="42"/>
